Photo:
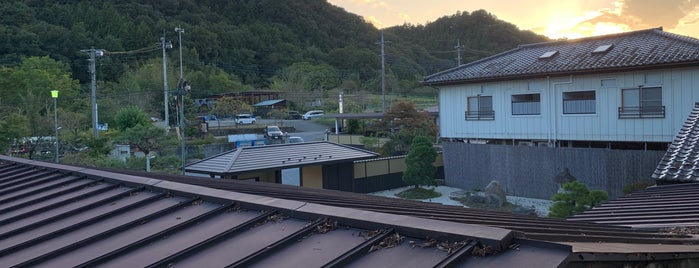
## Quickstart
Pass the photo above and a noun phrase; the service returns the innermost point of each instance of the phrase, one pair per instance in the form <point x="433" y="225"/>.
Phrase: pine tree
<point x="420" y="163"/>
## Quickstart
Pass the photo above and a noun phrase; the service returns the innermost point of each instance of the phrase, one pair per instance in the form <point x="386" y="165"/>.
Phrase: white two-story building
<point x="603" y="107"/>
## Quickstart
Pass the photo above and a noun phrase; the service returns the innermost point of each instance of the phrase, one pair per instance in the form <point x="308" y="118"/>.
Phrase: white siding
<point x="680" y="90"/>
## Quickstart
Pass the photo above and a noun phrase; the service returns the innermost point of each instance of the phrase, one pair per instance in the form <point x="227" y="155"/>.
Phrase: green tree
<point x="420" y="163"/>
<point x="130" y="117"/>
<point x="401" y="123"/>
<point x="229" y="106"/>
<point x="575" y="198"/>
<point x="146" y="138"/>
<point x="12" y="129"/>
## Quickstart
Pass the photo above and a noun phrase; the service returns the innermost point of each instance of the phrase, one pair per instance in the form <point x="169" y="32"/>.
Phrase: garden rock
<point x="496" y="193"/>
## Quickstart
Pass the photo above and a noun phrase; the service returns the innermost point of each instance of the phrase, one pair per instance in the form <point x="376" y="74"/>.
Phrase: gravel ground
<point x="540" y="205"/>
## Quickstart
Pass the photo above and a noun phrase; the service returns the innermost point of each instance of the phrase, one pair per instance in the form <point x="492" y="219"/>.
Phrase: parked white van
<point x="245" y="119"/>
<point x="313" y="114"/>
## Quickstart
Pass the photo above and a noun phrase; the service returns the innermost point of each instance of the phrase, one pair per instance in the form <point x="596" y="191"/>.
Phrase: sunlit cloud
<point x="626" y="15"/>
<point x="553" y="18"/>
<point x="373" y="20"/>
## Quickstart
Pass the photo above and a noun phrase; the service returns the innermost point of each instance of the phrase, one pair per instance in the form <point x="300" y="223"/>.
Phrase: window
<point x="642" y="102"/>
<point x="602" y="48"/>
<point x="480" y="108"/>
<point x="579" y="102"/>
<point x="526" y="104"/>
<point x="548" y="54"/>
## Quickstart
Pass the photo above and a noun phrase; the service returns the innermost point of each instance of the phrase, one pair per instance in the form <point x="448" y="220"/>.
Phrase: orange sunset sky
<point x="553" y="18"/>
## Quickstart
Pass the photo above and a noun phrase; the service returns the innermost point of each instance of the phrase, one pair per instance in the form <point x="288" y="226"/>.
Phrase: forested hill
<point x="254" y="40"/>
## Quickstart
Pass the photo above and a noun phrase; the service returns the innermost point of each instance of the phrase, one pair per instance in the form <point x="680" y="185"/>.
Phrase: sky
<point x="552" y="18"/>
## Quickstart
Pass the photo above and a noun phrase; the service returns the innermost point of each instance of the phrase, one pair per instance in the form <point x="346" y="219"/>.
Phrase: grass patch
<point x="418" y="193"/>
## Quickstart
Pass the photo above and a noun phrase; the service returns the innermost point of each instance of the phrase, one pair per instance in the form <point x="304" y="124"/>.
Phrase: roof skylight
<point x="602" y="48"/>
<point x="549" y="54"/>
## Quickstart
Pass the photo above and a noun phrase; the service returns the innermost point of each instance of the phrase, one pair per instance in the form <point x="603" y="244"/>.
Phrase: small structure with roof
<point x="321" y="164"/>
<point x="264" y="107"/>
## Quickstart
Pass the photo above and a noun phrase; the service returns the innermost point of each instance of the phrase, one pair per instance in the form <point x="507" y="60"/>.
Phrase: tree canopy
<point x="420" y="163"/>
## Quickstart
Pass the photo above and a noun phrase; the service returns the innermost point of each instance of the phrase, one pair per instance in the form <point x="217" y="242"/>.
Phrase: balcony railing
<point x="642" y="112"/>
<point x="480" y="115"/>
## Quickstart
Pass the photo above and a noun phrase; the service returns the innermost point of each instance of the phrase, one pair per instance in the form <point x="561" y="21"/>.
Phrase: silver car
<point x="313" y="114"/>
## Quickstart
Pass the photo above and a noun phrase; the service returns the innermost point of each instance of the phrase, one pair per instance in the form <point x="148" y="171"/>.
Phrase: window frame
<point x="572" y="101"/>
<point x="642" y="109"/>
<point x="481" y="112"/>
<point x="536" y="99"/>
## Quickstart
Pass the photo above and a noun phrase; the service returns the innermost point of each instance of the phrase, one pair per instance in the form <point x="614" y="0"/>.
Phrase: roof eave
<point x="576" y="72"/>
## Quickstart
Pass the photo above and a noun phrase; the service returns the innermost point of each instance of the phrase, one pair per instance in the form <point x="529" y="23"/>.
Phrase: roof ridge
<point x="597" y="37"/>
<point x="231" y="161"/>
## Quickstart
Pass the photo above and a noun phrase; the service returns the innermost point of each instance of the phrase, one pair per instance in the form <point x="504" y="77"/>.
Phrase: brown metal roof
<point x="249" y="159"/>
<point x="591" y="241"/>
<point x="657" y="207"/>
<point x="548" y="229"/>
<point x="64" y="216"/>
<point x="681" y="161"/>
<point x="629" y="51"/>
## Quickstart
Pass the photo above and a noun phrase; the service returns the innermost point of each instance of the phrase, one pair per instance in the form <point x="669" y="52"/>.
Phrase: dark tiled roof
<point x="681" y="161"/>
<point x="248" y="159"/>
<point x="629" y="51"/>
<point x="658" y="207"/>
<point x="62" y="216"/>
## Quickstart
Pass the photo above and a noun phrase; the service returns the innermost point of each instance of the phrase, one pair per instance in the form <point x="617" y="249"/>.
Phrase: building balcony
<point x="480" y="115"/>
<point x="642" y="112"/>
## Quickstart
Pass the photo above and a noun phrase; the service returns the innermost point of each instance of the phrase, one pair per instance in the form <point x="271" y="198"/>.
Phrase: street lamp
<point x="54" y="95"/>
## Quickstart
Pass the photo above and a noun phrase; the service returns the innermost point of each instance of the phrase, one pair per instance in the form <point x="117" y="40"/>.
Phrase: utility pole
<point x="93" y="54"/>
<point x="458" y="52"/>
<point x="180" y="31"/>
<point x="383" y="76"/>
<point x="165" y="44"/>
<point x="180" y="92"/>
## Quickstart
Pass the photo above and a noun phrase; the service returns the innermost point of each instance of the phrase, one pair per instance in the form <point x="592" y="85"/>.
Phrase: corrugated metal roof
<point x="631" y="50"/>
<point x="658" y="207"/>
<point x="591" y="241"/>
<point x="248" y="159"/>
<point x="681" y="161"/>
<point x="62" y="216"/>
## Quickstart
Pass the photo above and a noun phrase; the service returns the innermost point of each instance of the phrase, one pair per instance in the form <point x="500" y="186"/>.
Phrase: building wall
<point x="680" y="90"/>
<point x="312" y="176"/>
<point x="530" y="171"/>
<point x="338" y="176"/>
<point x="265" y="176"/>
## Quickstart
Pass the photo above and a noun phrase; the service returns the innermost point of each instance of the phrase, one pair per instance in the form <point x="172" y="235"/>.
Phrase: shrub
<point x="575" y="198"/>
<point x="420" y="163"/>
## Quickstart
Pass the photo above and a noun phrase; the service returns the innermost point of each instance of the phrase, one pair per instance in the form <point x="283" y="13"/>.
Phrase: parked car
<point x="295" y="139"/>
<point x="245" y="119"/>
<point x="313" y="114"/>
<point x="293" y="115"/>
<point x="273" y="132"/>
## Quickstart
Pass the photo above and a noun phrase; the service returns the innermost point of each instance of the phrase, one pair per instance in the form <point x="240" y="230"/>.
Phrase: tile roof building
<point x="681" y="161"/>
<point x="603" y="107"/>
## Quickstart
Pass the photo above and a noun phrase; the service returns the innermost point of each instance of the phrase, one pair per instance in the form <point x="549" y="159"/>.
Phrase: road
<point x="306" y="129"/>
